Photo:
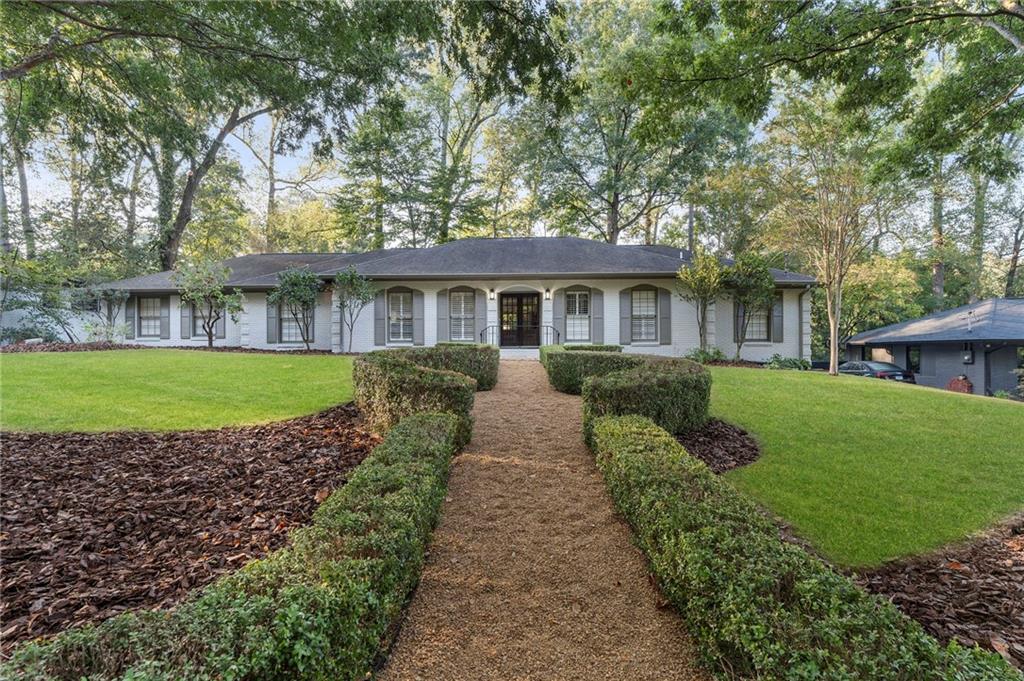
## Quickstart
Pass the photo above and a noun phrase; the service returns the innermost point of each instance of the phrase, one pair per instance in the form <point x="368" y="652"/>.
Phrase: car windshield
<point x="882" y="366"/>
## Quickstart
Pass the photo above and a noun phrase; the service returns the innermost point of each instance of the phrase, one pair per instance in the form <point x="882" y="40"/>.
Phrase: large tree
<point x="176" y="79"/>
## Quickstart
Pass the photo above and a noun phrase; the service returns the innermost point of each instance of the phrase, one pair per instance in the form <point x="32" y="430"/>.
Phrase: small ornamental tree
<point x="355" y="292"/>
<point x="752" y="287"/>
<point x="203" y="285"/>
<point x="700" y="284"/>
<point x="297" y="288"/>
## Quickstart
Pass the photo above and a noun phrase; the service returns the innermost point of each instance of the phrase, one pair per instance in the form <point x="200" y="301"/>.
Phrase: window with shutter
<point x="757" y="326"/>
<point x="577" y="315"/>
<point x="149" y="317"/>
<point x="400" y="316"/>
<point x="644" y="313"/>
<point x="462" y="305"/>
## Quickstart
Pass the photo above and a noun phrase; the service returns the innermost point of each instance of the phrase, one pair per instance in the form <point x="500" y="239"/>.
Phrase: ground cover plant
<point x="759" y="607"/>
<point x="160" y="390"/>
<point x="324" y="607"/>
<point x="99" y="523"/>
<point x="868" y="470"/>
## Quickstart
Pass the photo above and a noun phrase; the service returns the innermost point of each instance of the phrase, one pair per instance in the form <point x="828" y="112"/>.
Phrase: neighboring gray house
<point x="982" y="341"/>
<point x="517" y="293"/>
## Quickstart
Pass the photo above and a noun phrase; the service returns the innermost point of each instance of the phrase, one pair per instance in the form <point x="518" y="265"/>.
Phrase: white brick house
<point x="517" y="293"/>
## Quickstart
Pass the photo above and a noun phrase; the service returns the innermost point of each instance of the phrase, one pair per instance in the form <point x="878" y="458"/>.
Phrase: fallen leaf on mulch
<point x="973" y="593"/>
<point x="97" y="524"/>
<point x="722" y="446"/>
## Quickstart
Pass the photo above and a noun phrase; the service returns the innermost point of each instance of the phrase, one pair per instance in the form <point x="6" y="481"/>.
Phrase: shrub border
<point x="756" y="606"/>
<point x="326" y="606"/>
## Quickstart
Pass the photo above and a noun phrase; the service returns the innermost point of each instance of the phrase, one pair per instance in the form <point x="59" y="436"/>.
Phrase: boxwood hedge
<point x="325" y="607"/>
<point x="389" y="386"/>
<point x="567" y="369"/>
<point x="674" y="393"/>
<point x="472" y="359"/>
<point x="759" y="607"/>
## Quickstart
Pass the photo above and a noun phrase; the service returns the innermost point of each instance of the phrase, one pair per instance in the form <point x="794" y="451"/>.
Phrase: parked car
<point x="884" y="370"/>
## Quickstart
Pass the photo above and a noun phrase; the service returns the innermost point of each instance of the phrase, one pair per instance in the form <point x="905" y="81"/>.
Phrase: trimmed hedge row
<point x="568" y="369"/>
<point x="472" y="359"/>
<point x="674" y="393"/>
<point x="757" y="606"/>
<point x="325" y="607"/>
<point x="389" y="386"/>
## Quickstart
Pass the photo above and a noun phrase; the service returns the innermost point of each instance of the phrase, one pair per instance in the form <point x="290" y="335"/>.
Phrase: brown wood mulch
<point x="97" y="524"/>
<point x="721" y="445"/>
<point x="531" y="574"/>
<point x="972" y="592"/>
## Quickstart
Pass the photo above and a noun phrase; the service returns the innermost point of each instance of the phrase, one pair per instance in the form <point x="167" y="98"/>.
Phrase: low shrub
<point x="756" y="606"/>
<point x="674" y="393"/>
<point x="568" y="369"/>
<point x="324" y="608"/>
<point x="777" y="361"/>
<point x="592" y="348"/>
<point x="475" y="360"/>
<point x="27" y="330"/>
<point x="706" y="356"/>
<point x="389" y="386"/>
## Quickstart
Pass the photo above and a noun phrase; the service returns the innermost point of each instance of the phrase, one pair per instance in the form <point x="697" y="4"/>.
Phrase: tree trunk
<point x="132" y="214"/>
<point x="75" y="187"/>
<point x="690" y="229"/>
<point x="5" y="225"/>
<point x="28" y="231"/>
<point x="938" y="237"/>
<point x="612" y="228"/>
<point x="833" y="302"/>
<point x="271" y="184"/>
<point x="170" y="239"/>
<point x="1018" y="241"/>
<point x="980" y="185"/>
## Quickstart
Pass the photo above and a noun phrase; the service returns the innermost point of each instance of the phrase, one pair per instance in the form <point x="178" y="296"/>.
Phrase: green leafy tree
<point x="203" y="285"/>
<point x="296" y="292"/>
<point x="752" y="286"/>
<point x="355" y="292"/>
<point x="700" y="283"/>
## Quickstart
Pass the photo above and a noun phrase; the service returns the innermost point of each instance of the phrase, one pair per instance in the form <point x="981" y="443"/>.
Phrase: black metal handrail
<point x="548" y="335"/>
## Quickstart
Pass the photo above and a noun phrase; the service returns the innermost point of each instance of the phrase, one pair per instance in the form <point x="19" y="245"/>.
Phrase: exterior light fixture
<point x="547" y="294"/>
<point x="490" y="294"/>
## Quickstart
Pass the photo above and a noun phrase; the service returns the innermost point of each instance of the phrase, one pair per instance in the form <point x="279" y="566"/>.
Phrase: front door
<point x="520" y="319"/>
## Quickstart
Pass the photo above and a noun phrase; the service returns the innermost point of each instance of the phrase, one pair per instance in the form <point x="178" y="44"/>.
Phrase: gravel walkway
<point x="531" y="575"/>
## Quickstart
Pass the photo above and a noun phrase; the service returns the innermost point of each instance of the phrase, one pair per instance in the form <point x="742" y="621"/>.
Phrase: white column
<point x="243" y="323"/>
<point x="336" y="321"/>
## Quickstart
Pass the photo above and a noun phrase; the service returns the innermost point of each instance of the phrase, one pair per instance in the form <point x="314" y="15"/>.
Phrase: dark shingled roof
<point x="996" y="319"/>
<point x="549" y="257"/>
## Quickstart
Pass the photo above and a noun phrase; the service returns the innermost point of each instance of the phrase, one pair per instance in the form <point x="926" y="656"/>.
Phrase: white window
<point x="462" y="315"/>
<point x="149" y="317"/>
<point x="577" y="315"/>
<point x="757" y="326"/>
<point x="291" y="329"/>
<point x="400" y="316"/>
<point x="197" y="322"/>
<point x="644" y="315"/>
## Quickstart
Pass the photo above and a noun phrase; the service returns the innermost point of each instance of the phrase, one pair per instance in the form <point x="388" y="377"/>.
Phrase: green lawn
<point x="870" y="470"/>
<point x="164" y="389"/>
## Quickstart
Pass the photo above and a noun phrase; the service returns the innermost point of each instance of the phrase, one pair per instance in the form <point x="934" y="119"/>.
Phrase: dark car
<point x="885" y="370"/>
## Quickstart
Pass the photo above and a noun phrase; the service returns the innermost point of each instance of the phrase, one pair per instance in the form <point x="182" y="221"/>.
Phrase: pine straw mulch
<point x="721" y="445"/>
<point x="100" y="346"/>
<point x="972" y="592"/>
<point x="97" y="524"/>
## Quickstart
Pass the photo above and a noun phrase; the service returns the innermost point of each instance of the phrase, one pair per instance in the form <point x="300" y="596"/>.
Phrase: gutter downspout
<point x="800" y="306"/>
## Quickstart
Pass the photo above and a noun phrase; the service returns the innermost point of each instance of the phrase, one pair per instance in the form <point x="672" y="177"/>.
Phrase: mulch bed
<point x="106" y="345"/>
<point x="736" y="363"/>
<point x="972" y="592"/>
<point x="721" y="445"/>
<point x="97" y="524"/>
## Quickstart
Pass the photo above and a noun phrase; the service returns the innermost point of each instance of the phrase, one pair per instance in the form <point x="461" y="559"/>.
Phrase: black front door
<point x="520" y="319"/>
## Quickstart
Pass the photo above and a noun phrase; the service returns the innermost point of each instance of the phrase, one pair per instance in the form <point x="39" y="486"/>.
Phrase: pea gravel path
<point x="531" y="575"/>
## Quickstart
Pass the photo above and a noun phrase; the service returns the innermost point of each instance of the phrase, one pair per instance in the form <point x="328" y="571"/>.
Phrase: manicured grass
<point x="870" y="470"/>
<point x="164" y="389"/>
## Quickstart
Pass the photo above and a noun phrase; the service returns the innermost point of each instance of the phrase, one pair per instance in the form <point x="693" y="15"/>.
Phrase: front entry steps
<point x="520" y="353"/>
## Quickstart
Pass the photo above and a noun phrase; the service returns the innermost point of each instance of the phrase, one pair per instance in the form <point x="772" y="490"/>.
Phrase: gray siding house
<point x="517" y="293"/>
<point x="982" y="341"/>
